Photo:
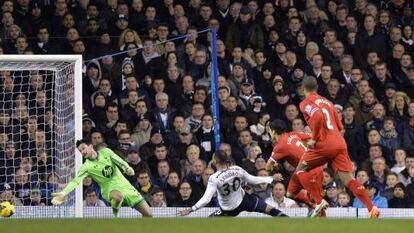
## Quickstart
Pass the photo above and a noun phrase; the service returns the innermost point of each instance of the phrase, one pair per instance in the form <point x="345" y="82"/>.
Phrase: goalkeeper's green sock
<point x="115" y="207"/>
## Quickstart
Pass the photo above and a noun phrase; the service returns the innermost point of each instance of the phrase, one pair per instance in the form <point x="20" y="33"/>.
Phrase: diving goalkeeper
<point x="103" y="166"/>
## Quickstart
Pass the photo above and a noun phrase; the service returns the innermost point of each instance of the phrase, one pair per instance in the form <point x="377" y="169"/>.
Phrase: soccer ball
<point x="7" y="209"/>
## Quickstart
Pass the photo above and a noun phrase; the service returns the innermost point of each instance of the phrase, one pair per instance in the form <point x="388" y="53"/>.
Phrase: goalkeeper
<point x="103" y="166"/>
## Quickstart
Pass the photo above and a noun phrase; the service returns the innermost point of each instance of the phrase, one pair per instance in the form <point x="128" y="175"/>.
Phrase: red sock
<point x="309" y="183"/>
<point x="360" y="192"/>
<point x="303" y="196"/>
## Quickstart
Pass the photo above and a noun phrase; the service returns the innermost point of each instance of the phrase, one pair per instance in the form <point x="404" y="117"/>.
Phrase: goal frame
<point x="77" y="59"/>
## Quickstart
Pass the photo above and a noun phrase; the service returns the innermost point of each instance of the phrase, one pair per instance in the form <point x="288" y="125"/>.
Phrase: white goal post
<point x="62" y="78"/>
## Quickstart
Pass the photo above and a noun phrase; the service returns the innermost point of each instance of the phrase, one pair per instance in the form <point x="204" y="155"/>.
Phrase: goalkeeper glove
<point x="129" y="171"/>
<point x="58" y="197"/>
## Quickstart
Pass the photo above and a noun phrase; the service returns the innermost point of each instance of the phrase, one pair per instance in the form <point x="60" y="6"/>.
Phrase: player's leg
<point x="272" y="211"/>
<point x="318" y="176"/>
<point x="310" y="160"/>
<point x="144" y="209"/>
<point x="295" y="191"/>
<point x="301" y="196"/>
<point x="253" y="203"/>
<point x="134" y="199"/>
<point x="116" y="199"/>
<point x="342" y="165"/>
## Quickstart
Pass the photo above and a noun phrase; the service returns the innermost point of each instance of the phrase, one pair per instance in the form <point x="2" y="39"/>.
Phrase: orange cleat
<point x="374" y="213"/>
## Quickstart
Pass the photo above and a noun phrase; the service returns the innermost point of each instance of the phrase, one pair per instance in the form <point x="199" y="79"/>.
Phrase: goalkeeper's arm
<point x="59" y="197"/>
<point x="119" y="162"/>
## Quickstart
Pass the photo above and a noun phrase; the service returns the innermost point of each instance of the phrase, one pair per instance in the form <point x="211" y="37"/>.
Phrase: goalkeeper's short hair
<point x="84" y="140"/>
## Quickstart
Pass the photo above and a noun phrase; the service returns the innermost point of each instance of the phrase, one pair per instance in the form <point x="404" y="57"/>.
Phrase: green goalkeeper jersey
<point x="104" y="170"/>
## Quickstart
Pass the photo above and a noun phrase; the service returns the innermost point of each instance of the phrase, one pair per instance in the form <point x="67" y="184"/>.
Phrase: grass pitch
<point x="207" y="225"/>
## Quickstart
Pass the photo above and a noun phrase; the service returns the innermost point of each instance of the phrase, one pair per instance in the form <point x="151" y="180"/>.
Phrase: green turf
<point x="199" y="225"/>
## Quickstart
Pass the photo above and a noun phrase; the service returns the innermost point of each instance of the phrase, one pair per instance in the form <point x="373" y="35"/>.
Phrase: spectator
<point x="106" y="123"/>
<point x="250" y="161"/>
<point x="144" y="184"/>
<point x="400" y="199"/>
<point x="244" y="142"/>
<point x="185" y="198"/>
<point x="278" y="198"/>
<point x="195" y="178"/>
<point x="92" y="78"/>
<point x="240" y="123"/>
<point x="389" y="138"/>
<point x="11" y="159"/>
<point x="399" y="106"/>
<point x="328" y="177"/>
<point x="364" y="108"/>
<point x="124" y="143"/>
<point x="331" y="194"/>
<point x="399" y="157"/>
<point x="353" y="133"/>
<point x="362" y="176"/>
<point x="160" y="177"/>
<point x="147" y="149"/>
<point x="157" y="198"/>
<point x="252" y="35"/>
<point x="92" y="199"/>
<point x="142" y="131"/>
<point x="192" y="155"/>
<point x="379" y="172"/>
<point x="343" y="199"/>
<point x="205" y="135"/>
<point x="369" y="39"/>
<point x="194" y="120"/>
<point x="392" y="180"/>
<point x="135" y="162"/>
<point x="362" y="88"/>
<point x="172" y="189"/>
<point x="163" y="113"/>
<point x="406" y="175"/>
<point x="7" y="194"/>
<point x="409" y="83"/>
<point x="408" y="134"/>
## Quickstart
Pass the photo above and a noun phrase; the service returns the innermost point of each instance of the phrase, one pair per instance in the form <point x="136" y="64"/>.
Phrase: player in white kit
<point x="232" y="198"/>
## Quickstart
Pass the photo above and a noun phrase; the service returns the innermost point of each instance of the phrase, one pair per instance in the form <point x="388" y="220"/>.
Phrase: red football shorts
<point x="294" y="185"/>
<point x="336" y="155"/>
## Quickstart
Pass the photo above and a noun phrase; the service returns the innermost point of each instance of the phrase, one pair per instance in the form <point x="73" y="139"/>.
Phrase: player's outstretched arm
<point x="59" y="197"/>
<point x="208" y="194"/>
<point x="257" y="179"/>
<point x="119" y="162"/>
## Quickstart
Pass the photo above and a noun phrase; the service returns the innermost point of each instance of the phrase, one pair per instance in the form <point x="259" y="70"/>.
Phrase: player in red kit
<point x="290" y="146"/>
<point x="327" y="146"/>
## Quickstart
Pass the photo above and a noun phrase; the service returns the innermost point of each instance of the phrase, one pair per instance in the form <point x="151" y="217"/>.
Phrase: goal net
<point x="39" y="110"/>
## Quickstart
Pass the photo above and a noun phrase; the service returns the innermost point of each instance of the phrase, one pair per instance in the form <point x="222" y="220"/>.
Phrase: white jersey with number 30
<point x="228" y="184"/>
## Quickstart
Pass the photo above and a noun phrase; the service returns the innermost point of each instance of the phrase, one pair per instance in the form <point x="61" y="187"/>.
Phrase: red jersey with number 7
<point x="322" y="119"/>
<point x="290" y="147"/>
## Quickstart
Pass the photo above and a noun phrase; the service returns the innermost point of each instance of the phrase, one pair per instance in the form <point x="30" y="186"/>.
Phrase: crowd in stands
<point x="152" y="106"/>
